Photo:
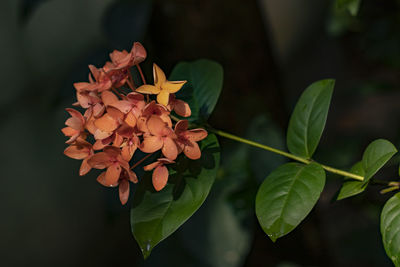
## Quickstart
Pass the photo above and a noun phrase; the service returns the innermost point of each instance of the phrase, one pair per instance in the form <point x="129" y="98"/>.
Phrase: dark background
<point x="270" y="51"/>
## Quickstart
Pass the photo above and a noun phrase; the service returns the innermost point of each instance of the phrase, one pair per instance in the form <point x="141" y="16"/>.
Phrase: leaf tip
<point x="274" y="236"/>
<point x="146" y="251"/>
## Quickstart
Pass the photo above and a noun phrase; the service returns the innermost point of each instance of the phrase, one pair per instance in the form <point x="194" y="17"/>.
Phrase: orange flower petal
<point x="81" y="86"/>
<point x="128" y="151"/>
<point x="98" y="110"/>
<point x="159" y="76"/>
<point x="124" y="164"/>
<point x="163" y="97"/>
<point x="119" y="56"/>
<point x="83" y="99"/>
<point x="72" y="139"/>
<point x="68" y="131"/>
<point x="100" y="135"/>
<point x="142" y="124"/>
<point x="192" y="151"/>
<point x="182" y="108"/>
<point x="126" y="131"/>
<point x="130" y="119"/>
<point x="151" y="144"/>
<point x="88" y="113"/>
<point x="122" y="105"/>
<point x="135" y="97"/>
<point x="102" y="180"/>
<point x="90" y="125"/>
<point x="75" y="113"/>
<point x="98" y="145"/>
<point x="112" y="174"/>
<point x="166" y="119"/>
<point x="74" y="123"/>
<point x="172" y="86"/>
<point x="165" y="161"/>
<point x="115" y="113"/>
<point x="77" y="151"/>
<point x="108" y="98"/>
<point x="151" y="166"/>
<point x="112" y="151"/>
<point x="169" y="149"/>
<point x="160" y="177"/>
<point x="155" y="125"/>
<point x="132" y="176"/>
<point x="118" y="139"/>
<point x="148" y="89"/>
<point x="106" y="123"/>
<point x="181" y="126"/>
<point x="196" y="134"/>
<point x="123" y="191"/>
<point x="85" y="167"/>
<point x="99" y="161"/>
<point x="95" y="71"/>
<point x="138" y="52"/>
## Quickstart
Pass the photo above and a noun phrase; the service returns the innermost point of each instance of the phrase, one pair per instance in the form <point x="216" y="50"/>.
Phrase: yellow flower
<point x="162" y="87"/>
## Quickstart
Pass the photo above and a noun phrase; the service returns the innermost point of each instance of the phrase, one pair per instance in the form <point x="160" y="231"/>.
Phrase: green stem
<point x="283" y="153"/>
<point x="390" y="189"/>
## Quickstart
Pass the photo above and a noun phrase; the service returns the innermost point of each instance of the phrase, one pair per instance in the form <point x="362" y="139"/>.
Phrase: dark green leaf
<point x="390" y="228"/>
<point x="352" y="187"/>
<point x="309" y="117"/>
<point x="376" y="155"/>
<point x="156" y="215"/>
<point x="286" y="197"/>
<point x="204" y="83"/>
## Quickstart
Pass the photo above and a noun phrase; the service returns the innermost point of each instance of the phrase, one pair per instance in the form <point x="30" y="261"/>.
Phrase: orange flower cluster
<point x="119" y="119"/>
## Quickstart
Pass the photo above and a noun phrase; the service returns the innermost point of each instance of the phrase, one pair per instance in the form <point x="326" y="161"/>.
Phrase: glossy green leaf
<point x="390" y="228"/>
<point x="156" y="215"/>
<point x="204" y="84"/>
<point x="309" y="117"/>
<point x="351" y="5"/>
<point x="376" y="155"/>
<point x="351" y="187"/>
<point x="287" y="195"/>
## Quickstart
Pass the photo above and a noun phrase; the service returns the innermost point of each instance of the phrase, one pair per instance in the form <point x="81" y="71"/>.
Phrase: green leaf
<point x="156" y="215"/>
<point x="204" y="84"/>
<point x="287" y="195"/>
<point x="376" y="155"/>
<point x="309" y="117"/>
<point x="351" y="5"/>
<point x="390" y="228"/>
<point x="352" y="187"/>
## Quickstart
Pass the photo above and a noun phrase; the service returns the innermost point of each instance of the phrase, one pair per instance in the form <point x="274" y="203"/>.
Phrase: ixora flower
<point x="111" y="159"/>
<point x="160" y="173"/>
<point x="119" y="120"/>
<point x="186" y="139"/>
<point x="160" y="137"/>
<point x="162" y="87"/>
